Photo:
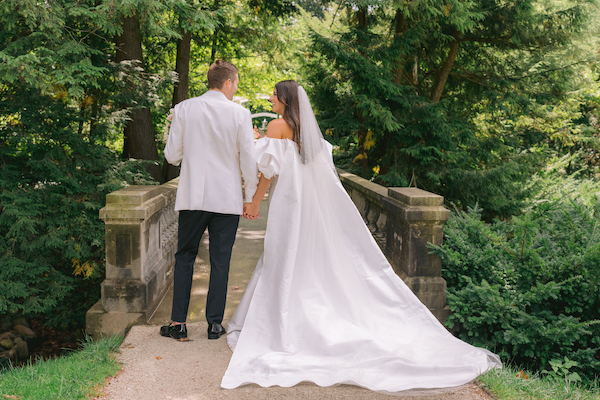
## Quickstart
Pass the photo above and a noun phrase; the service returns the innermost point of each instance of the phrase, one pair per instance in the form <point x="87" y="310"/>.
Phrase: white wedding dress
<point x="324" y="304"/>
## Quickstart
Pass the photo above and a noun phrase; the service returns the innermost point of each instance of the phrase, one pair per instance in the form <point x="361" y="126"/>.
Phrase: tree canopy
<point x="465" y="99"/>
<point x="85" y="87"/>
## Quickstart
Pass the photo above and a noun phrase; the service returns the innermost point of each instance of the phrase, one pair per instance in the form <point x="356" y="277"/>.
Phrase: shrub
<point x="53" y="181"/>
<point x="529" y="288"/>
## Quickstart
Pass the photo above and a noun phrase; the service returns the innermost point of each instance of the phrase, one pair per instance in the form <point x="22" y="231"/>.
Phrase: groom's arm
<point x="174" y="146"/>
<point x="247" y="157"/>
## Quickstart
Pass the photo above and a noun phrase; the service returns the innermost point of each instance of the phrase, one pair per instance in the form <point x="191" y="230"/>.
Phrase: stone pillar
<point x="141" y="240"/>
<point x="404" y="221"/>
<point x="415" y="218"/>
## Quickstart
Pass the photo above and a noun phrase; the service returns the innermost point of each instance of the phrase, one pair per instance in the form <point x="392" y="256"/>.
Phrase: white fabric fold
<point x="270" y="153"/>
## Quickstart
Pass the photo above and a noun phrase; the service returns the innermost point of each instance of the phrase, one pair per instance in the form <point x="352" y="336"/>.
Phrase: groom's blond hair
<point x="218" y="73"/>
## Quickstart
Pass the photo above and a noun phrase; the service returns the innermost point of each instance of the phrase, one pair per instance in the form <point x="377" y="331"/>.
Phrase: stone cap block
<point x="138" y="202"/>
<point x="397" y="209"/>
<point x="368" y="188"/>
<point x="124" y="211"/>
<point x="415" y="197"/>
<point x="133" y="195"/>
<point x="169" y="189"/>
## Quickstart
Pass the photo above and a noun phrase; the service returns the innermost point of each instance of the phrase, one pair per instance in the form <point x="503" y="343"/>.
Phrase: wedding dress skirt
<point x="324" y="304"/>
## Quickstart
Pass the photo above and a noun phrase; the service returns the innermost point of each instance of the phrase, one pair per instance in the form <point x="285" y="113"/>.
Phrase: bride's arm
<point x="251" y="210"/>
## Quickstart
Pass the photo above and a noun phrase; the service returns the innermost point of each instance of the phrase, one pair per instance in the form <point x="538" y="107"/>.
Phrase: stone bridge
<point x="141" y="240"/>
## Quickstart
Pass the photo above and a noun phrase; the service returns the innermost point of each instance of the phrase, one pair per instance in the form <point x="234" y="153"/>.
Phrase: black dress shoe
<point x="215" y="331"/>
<point x="178" y="332"/>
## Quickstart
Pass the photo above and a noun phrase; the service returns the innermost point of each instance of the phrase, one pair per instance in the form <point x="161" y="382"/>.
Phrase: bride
<point x="324" y="304"/>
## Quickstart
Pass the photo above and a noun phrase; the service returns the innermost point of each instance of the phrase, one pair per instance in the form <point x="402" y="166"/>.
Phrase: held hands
<point x="251" y="211"/>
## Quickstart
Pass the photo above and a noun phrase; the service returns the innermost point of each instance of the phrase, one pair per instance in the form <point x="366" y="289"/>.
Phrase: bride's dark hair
<point x="287" y="94"/>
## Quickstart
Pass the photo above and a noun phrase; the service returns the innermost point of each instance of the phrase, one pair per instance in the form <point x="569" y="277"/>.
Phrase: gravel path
<point x="155" y="367"/>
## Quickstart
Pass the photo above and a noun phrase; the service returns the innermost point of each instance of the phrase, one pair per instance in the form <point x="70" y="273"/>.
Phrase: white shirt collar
<point x="216" y="93"/>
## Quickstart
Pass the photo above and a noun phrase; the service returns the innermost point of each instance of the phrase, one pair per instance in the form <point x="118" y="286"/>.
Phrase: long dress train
<point x="324" y="304"/>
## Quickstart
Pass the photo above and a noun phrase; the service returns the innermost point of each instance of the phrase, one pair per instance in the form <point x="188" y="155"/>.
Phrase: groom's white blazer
<point x="213" y="140"/>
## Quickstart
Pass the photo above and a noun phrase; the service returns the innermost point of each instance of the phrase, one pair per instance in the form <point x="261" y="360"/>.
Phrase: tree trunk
<point x="81" y="117"/>
<point x="96" y="107"/>
<point x="139" y="131"/>
<point x="415" y="72"/>
<point x="182" y="67"/>
<point x="362" y="159"/>
<point x="181" y="89"/>
<point x="213" y="49"/>
<point x="362" y="18"/>
<point x="400" y="28"/>
<point x="444" y="72"/>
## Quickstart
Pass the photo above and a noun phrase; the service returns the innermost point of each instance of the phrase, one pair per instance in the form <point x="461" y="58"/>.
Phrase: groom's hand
<point x="251" y="211"/>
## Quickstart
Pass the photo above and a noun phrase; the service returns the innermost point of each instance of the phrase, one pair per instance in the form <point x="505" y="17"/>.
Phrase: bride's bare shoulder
<point x="279" y="129"/>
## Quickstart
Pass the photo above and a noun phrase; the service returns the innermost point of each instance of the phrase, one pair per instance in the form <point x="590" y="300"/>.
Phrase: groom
<point x="213" y="140"/>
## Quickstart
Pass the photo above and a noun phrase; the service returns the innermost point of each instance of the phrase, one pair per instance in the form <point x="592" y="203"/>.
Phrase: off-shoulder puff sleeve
<point x="269" y="155"/>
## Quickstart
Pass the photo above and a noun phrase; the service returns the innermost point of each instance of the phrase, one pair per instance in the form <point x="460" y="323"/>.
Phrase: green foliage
<point x="76" y="376"/>
<point x="521" y="89"/>
<point x="40" y="49"/>
<point x="56" y="117"/>
<point x="258" y="37"/>
<point x="52" y="184"/>
<point x="62" y="119"/>
<point x="529" y="288"/>
<point x="561" y="371"/>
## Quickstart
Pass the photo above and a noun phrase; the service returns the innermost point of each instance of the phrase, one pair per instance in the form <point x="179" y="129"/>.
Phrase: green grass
<point x="75" y="376"/>
<point x="506" y="384"/>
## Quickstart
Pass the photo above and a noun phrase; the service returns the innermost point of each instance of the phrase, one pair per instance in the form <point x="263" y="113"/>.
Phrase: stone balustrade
<point x="403" y="221"/>
<point x="141" y="240"/>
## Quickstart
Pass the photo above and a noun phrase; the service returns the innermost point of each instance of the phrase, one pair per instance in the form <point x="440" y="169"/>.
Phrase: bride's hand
<point x="251" y="211"/>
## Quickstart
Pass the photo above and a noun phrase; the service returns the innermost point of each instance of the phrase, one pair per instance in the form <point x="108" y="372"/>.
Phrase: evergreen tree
<point x="56" y="91"/>
<point x="401" y="86"/>
<point x="74" y="76"/>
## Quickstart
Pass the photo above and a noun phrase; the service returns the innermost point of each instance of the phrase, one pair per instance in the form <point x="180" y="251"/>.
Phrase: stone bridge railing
<point x="403" y="221"/>
<point x="141" y="240"/>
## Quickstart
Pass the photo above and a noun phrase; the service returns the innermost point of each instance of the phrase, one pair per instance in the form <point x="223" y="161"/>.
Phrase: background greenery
<point x="528" y="287"/>
<point x="493" y="104"/>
